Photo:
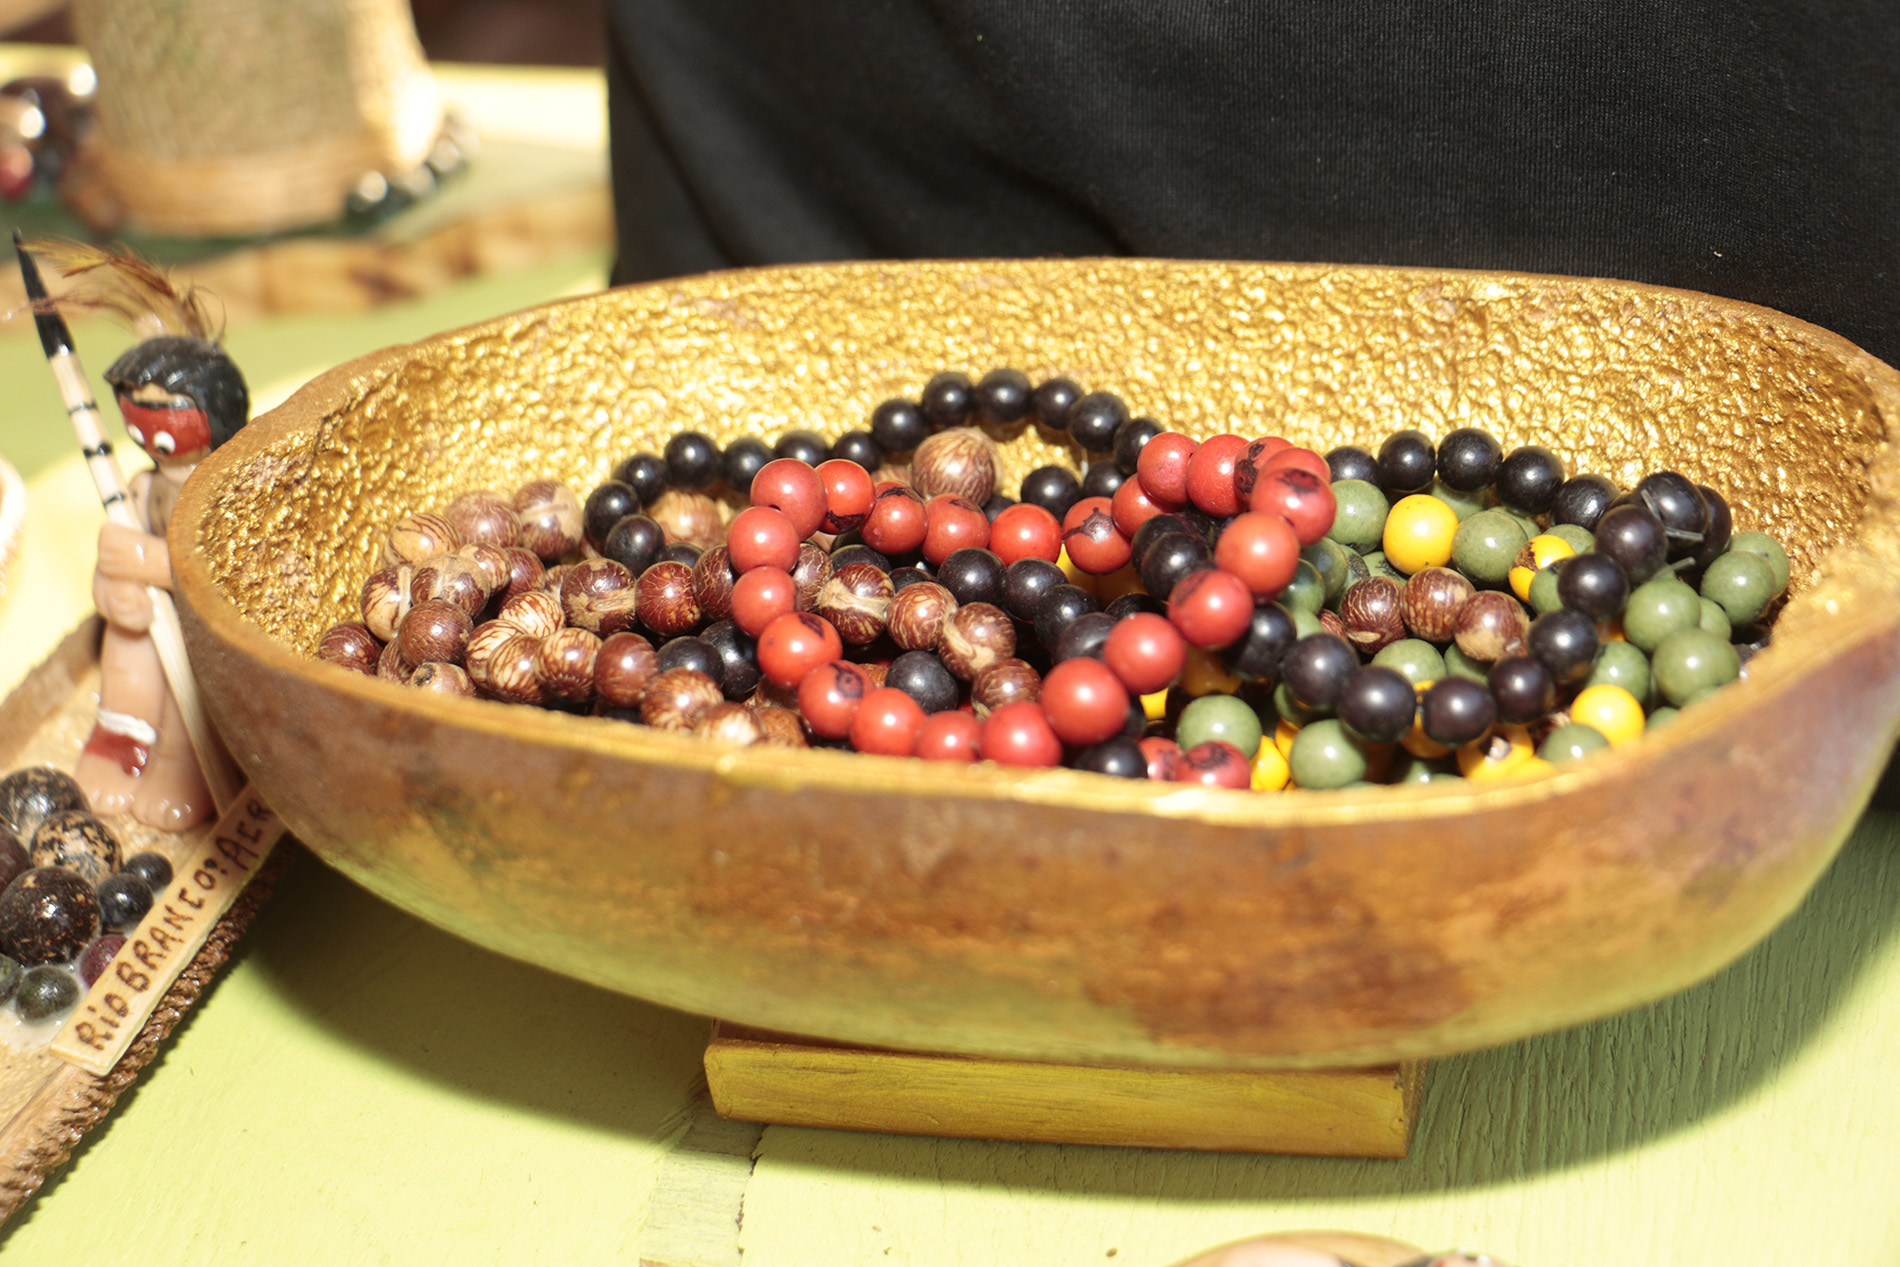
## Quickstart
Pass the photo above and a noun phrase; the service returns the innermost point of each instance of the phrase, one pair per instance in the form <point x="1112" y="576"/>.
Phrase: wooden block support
<point x="757" y="1076"/>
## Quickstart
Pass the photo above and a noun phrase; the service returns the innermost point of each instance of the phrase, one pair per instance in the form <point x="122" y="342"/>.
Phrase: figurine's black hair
<point x="195" y="368"/>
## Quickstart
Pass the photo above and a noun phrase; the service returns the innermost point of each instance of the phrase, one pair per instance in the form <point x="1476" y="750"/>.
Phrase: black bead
<point x="1529" y="479"/>
<point x="738" y="656"/>
<point x="1130" y="438"/>
<point x="646" y="472"/>
<point x="1565" y="642"/>
<point x="858" y="552"/>
<point x="1378" y="704"/>
<point x="921" y="675"/>
<point x="634" y="543"/>
<point x="1052" y="402"/>
<point x="1721" y="527"/>
<point x="1026" y="583"/>
<point x="905" y="577"/>
<point x="1350" y="462"/>
<point x="1054" y="488"/>
<point x="1156" y="527"/>
<point x="1121" y="757"/>
<point x="973" y="575"/>
<point x="679" y="552"/>
<point x="1172" y="558"/>
<point x="1257" y="656"/>
<point x="153" y="868"/>
<point x="859" y="447"/>
<point x="1064" y="605"/>
<point x="606" y="506"/>
<point x="1456" y="710"/>
<point x="996" y="505"/>
<point x="742" y="461"/>
<point x="1594" y="584"/>
<point x="1094" y="419"/>
<point x="1407" y="463"/>
<point x="1084" y="637"/>
<point x="692" y="461"/>
<point x="1131" y="603"/>
<point x="1003" y="397"/>
<point x="898" y="426"/>
<point x="1102" y="479"/>
<point x="948" y="400"/>
<point x="692" y="653"/>
<point x="1469" y="458"/>
<point x="1522" y="689"/>
<point x="1317" y="668"/>
<point x="1679" y="506"/>
<point x="801" y="445"/>
<point x="1581" y="500"/>
<point x="123" y="900"/>
<point x="1634" y="538"/>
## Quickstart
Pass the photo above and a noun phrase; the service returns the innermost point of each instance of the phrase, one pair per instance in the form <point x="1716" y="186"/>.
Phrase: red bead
<point x="795" y="644"/>
<point x="1163" y="464"/>
<point x="951" y="524"/>
<point x="762" y="596"/>
<point x="761" y="537"/>
<point x="1163" y="755"/>
<point x="896" y="522"/>
<point x="1027" y="531"/>
<point x="829" y="696"/>
<point x="1299" y="497"/>
<point x="886" y="723"/>
<point x="1215" y="763"/>
<point x="1211" y="608"/>
<point x="1019" y="734"/>
<point x="793" y="487"/>
<point x="1132" y="507"/>
<point x="848" y="494"/>
<point x="1085" y="701"/>
<point x="1304" y="459"/>
<point x="1210" y="475"/>
<point x="1262" y="550"/>
<point x="1145" y="651"/>
<point x="948" y="736"/>
<point x="1247" y="467"/>
<point x="1090" y="536"/>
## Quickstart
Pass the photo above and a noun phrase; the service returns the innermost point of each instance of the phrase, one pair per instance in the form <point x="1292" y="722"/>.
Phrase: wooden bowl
<point x="1053" y="914"/>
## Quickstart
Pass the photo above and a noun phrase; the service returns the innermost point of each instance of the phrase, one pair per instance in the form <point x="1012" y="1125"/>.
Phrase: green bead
<point x="1461" y="665"/>
<point x="1415" y="769"/>
<point x="1743" y="584"/>
<point x="10" y="973"/>
<point x="1621" y="664"/>
<point x="1306" y="589"/>
<point x="45" y="991"/>
<point x="1326" y="756"/>
<point x="1486" y="545"/>
<point x="1660" y="717"/>
<point x="1291" y="710"/>
<point x="1416" y="658"/>
<point x="1691" y="661"/>
<point x="1752" y="542"/>
<point x="1572" y="742"/>
<point x="1577" y="537"/>
<point x="1359" y="515"/>
<point x="1464" y="504"/>
<point x="1526" y="522"/>
<point x="1328" y="558"/>
<point x="1714" y="619"/>
<point x="1305" y="622"/>
<point x="1658" y="608"/>
<point x="1376" y="565"/>
<point x="1544" y="596"/>
<point x="1220" y="717"/>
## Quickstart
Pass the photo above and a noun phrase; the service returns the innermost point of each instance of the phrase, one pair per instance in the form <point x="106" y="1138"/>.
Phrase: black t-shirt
<point x="1749" y="148"/>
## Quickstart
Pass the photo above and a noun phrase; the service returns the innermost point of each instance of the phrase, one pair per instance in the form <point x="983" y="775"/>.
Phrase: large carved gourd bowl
<point x="1056" y="914"/>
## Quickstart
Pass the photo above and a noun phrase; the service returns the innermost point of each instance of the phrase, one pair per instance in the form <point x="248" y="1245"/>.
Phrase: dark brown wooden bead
<point x="623" y="666"/>
<point x="443" y="679"/>
<point x="486" y="516"/>
<point x="451" y="578"/>
<point x="550" y="519"/>
<point x="730" y="723"/>
<point x="512" y="672"/>
<point x="433" y="630"/>
<point x="351" y="645"/>
<point x="567" y="664"/>
<point x="420" y="536"/>
<point x="960" y="462"/>
<point x="713" y="579"/>
<point x="780" y="726"/>
<point x="666" y="602"/>
<point x="916" y="615"/>
<point x="78" y="841"/>
<point x="678" y="698"/>
<point x="976" y="636"/>
<point x="813" y="570"/>
<point x="1004" y="682"/>
<point x="855" y="600"/>
<point x="47" y="915"/>
<point x="536" y="613"/>
<point x="1491" y="625"/>
<point x="384" y="600"/>
<point x="1431" y="600"/>
<point x="599" y="595"/>
<point x="690" y="517"/>
<point x="1370" y="611"/>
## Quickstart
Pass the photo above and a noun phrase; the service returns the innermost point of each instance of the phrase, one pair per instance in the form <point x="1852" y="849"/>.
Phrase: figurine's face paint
<point x="164" y="425"/>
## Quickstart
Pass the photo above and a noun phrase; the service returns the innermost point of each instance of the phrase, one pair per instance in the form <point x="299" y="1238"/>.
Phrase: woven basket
<point x="252" y="116"/>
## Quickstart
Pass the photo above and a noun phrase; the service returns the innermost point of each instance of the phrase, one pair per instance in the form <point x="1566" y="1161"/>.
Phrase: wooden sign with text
<point x="207" y="880"/>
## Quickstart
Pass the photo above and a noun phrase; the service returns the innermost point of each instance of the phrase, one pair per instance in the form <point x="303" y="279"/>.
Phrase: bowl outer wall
<point x="1054" y="915"/>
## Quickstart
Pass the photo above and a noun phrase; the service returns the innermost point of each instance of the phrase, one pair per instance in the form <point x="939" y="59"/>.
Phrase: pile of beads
<point x="66" y="894"/>
<point x="1235" y="612"/>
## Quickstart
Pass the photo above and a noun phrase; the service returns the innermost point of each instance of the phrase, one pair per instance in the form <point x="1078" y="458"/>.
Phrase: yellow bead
<point x="1418" y="533"/>
<point x="1416" y="741"/>
<point x="1497" y="754"/>
<point x="1206" y="675"/>
<point x="1283" y="736"/>
<point x="1270" y="771"/>
<point x="1154" y="707"/>
<point x="1538" y="553"/>
<point x="1075" y="574"/>
<point x="1115" y="584"/>
<point x="1611" y="709"/>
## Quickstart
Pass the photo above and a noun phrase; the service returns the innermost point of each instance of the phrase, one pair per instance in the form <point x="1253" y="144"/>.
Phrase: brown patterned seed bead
<point x="895" y="473"/>
<point x="1491" y="625"/>
<point x="568" y="657"/>
<point x="813" y="570"/>
<point x="1370" y="611"/>
<point x="1329" y="621"/>
<point x="713" y="579"/>
<point x="485" y="516"/>
<point x="598" y="595"/>
<point x="351" y="645"/>
<point x="1431" y="600"/>
<point x="79" y="842"/>
<point x="525" y="572"/>
<point x="976" y="636"/>
<point x="433" y="630"/>
<point x="385" y="600"/>
<point x="550" y="519"/>
<point x="730" y="723"/>
<point x="678" y="698"/>
<point x="554" y="577"/>
<point x="779" y="726"/>
<point x="482" y="644"/>
<point x="855" y="600"/>
<point x="536" y="613"/>
<point x="875" y="671"/>
<point x="623" y="666"/>
<point x="916" y="616"/>
<point x="491" y="564"/>
<point x="770" y="693"/>
<point x="389" y="665"/>
<point x="691" y="517"/>
<point x="47" y="915"/>
<point x="960" y="462"/>
<point x="443" y="679"/>
<point x="1004" y="682"/>
<point x="420" y="536"/>
<point x="667" y="605"/>
<point x="453" y="579"/>
<point x="512" y="673"/>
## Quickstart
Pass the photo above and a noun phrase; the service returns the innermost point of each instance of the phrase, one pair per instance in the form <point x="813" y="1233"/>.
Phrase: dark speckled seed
<point x="27" y="796"/>
<point x="45" y="991"/>
<point x="123" y="899"/>
<point x="79" y="842"/>
<point x="10" y="974"/>
<point x="47" y="915"/>
<point x="13" y="856"/>
<point x="153" y="868"/>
